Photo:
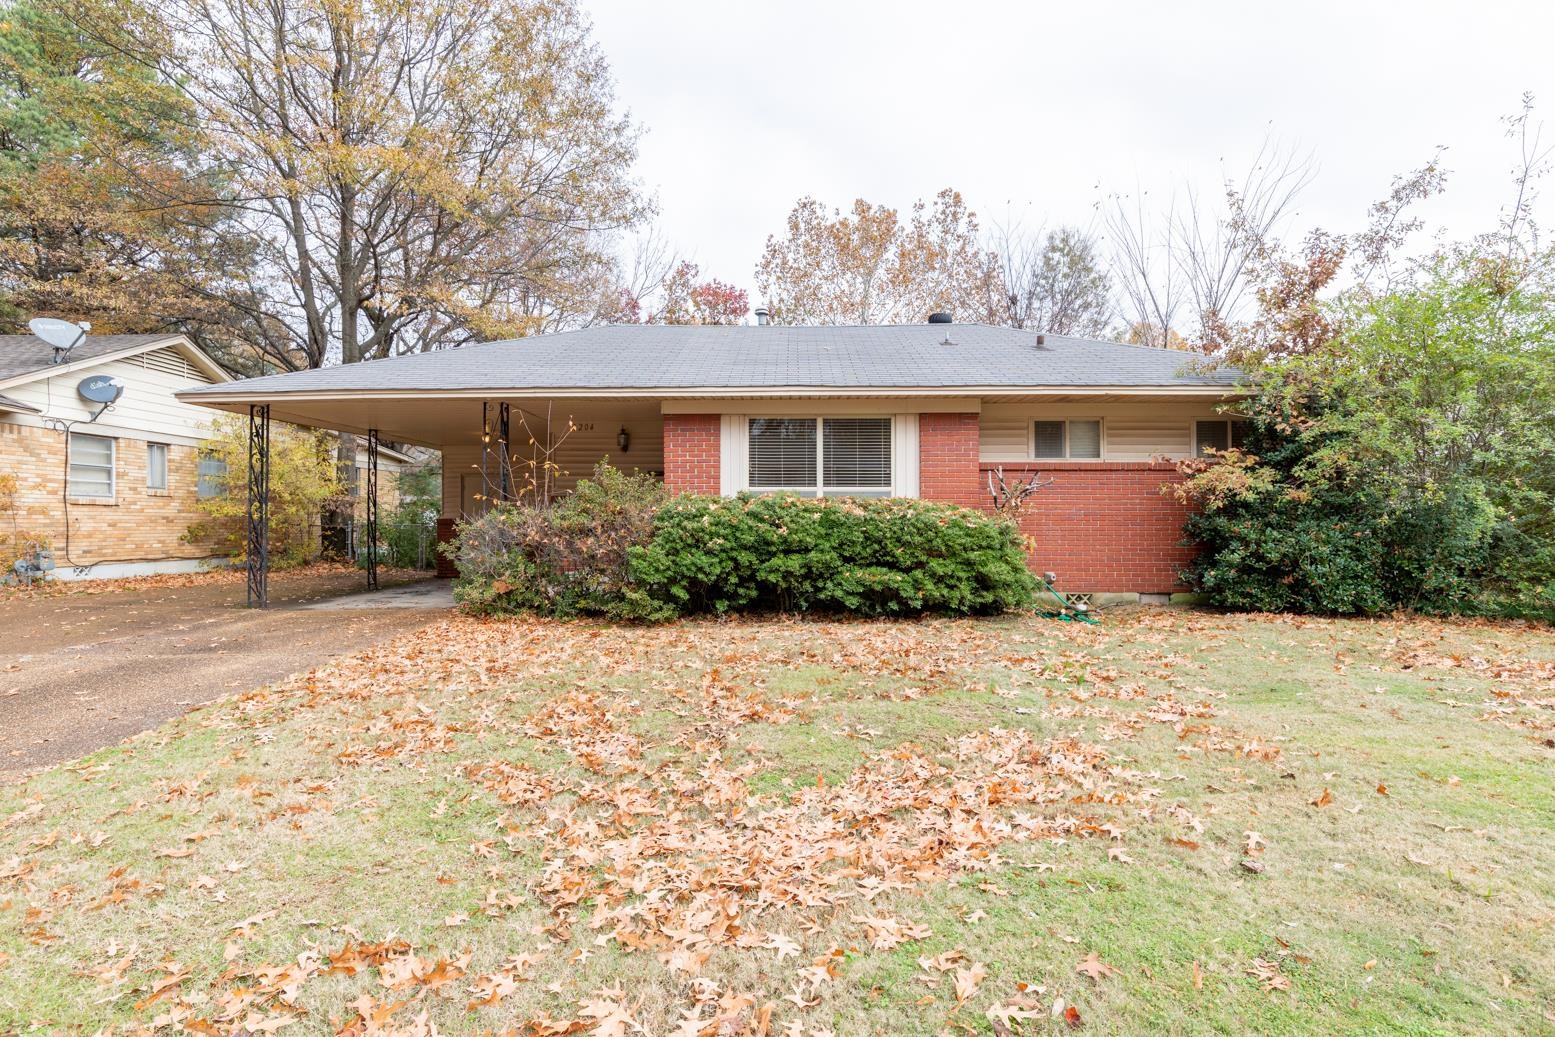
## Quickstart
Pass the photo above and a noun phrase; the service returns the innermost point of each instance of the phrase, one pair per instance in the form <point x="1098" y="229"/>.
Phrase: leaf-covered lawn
<point x="1174" y="822"/>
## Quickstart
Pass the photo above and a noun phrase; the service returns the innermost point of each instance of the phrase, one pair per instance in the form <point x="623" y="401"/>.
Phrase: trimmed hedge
<point x="618" y="547"/>
<point x="864" y="556"/>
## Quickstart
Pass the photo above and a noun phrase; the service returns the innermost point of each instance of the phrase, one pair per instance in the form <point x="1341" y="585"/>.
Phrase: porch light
<point x="623" y="440"/>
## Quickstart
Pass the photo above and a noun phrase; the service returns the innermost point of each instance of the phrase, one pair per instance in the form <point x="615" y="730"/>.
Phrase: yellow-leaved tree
<point x="303" y="482"/>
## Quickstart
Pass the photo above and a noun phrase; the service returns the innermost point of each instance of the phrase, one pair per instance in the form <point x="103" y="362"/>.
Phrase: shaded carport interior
<point x="571" y="432"/>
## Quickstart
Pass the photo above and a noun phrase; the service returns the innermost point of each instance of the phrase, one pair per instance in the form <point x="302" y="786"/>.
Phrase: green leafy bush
<point x="870" y="557"/>
<point x="618" y="546"/>
<point x="566" y="559"/>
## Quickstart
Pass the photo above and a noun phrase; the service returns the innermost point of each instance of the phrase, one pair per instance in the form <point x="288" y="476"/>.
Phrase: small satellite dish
<point x="61" y="334"/>
<point x="100" y="388"/>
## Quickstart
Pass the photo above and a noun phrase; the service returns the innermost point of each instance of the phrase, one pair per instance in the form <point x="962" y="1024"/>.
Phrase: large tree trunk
<point x="340" y="523"/>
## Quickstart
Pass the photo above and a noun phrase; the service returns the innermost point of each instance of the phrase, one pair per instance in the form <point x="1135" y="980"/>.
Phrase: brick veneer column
<point x="947" y="459"/>
<point x="691" y="453"/>
<point x="447" y="530"/>
<point x="1105" y="525"/>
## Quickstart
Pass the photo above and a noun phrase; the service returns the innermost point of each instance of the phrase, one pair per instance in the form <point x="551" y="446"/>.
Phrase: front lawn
<point x="1174" y="822"/>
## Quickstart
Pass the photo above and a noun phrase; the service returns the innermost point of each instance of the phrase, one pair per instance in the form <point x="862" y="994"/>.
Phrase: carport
<point x="499" y="441"/>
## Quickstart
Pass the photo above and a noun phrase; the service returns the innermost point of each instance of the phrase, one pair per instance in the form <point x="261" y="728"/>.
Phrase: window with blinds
<point x="783" y="454"/>
<point x="821" y="456"/>
<point x="1214" y="435"/>
<point x="857" y="456"/>
<point x="1076" y="439"/>
<point x="91" y="466"/>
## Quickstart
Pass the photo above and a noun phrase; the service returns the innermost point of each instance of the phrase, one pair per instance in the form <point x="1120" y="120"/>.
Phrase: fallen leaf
<point x="1094" y="967"/>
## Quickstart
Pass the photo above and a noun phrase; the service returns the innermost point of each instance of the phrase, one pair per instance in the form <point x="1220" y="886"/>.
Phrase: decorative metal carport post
<point x="505" y="473"/>
<point x="371" y="546"/>
<point x="258" y="505"/>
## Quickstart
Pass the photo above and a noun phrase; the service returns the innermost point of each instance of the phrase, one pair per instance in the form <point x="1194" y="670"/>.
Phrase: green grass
<point x="360" y="804"/>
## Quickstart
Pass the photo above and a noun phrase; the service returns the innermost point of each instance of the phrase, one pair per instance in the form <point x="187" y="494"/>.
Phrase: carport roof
<point x="636" y="360"/>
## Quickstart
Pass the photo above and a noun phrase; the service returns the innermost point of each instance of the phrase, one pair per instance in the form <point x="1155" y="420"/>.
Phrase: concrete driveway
<point x="82" y="668"/>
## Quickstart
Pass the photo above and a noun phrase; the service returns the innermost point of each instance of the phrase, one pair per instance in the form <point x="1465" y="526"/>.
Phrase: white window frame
<point x="151" y="449"/>
<point x="1194" y="432"/>
<point x="892" y="453"/>
<point x="1101" y="439"/>
<point x="113" y="466"/>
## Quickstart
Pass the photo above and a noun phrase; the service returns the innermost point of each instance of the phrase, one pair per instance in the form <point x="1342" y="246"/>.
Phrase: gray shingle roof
<point x="651" y="357"/>
<point x="27" y="354"/>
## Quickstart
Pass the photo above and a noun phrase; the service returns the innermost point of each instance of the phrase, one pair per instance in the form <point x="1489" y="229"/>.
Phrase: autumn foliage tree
<point x="108" y="206"/>
<point x="1056" y="282"/>
<point x="682" y="296"/>
<point x="871" y="265"/>
<point x="303" y="480"/>
<point x="409" y="176"/>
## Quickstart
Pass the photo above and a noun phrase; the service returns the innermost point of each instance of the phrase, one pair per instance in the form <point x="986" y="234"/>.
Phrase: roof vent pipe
<point x="763" y="316"/>
<point x="940" y="318"/>
<point x="1041" y="341"/>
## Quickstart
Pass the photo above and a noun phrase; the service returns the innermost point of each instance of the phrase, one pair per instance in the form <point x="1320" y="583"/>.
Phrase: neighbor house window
<point x="1218" y="434"/>
<point x="1074" y="439"/>
<point x="156" y="466"/>
<point x="814" y="457"/>
<point x="91" y="466"/>
<point x="211" y="472"/>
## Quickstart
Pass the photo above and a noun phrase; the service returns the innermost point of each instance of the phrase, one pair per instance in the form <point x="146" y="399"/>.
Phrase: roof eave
<point x="189" y="350"/>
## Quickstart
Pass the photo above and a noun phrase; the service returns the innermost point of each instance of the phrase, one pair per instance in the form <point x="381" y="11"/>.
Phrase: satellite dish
<point x="100" y="388"/>
<point x="61" y="334"/>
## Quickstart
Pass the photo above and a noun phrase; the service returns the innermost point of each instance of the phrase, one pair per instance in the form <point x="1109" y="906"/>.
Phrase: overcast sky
<point x="1035" y="110"/>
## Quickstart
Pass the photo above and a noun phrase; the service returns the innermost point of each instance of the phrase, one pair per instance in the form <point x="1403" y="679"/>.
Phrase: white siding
<point x="146" y="411"/>
<point x="1143" y="439"/>
<point x="1132" y="430"/>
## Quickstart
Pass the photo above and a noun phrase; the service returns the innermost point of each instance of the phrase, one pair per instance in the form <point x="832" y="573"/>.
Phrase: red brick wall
<point x="1101" y="525"/>
<point x="691" y="453"/>
<point x="447" y="530"/>
<point x="1105" y="525"/>
<point x="947" y="459"/>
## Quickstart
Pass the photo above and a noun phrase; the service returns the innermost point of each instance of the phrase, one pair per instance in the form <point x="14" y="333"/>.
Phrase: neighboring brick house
<point x="113" y="492"/>
<point x="925" y="410"/>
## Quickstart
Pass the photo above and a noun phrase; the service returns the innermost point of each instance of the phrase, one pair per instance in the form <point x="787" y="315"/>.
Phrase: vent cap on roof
<point x="763" y="316"/>
<point x="940" y="317"/>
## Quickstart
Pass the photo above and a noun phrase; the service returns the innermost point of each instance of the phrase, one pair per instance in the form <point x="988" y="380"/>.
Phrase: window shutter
<point x="1211" y="435"/>
<point x="1049" y="440"/>
<point x="1085" y="439"/>
<point x="782" y="453"/>
<point x="858" y="453"/>
<point x="1238" y="434"/>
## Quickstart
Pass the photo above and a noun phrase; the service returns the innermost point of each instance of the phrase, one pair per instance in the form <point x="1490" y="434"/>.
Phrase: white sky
<point x="1033" y="110"/>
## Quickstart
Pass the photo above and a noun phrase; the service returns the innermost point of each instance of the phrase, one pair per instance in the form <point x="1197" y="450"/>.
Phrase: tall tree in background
<point x="108" y="209"/>
<point x="871" y="267"/>
<point x="690" y="300"/>
<point x="411" y="176"/>
<point x="1188" y="263"/>
<point x="1056" y="283"/>
<point x="659" y="287"/>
